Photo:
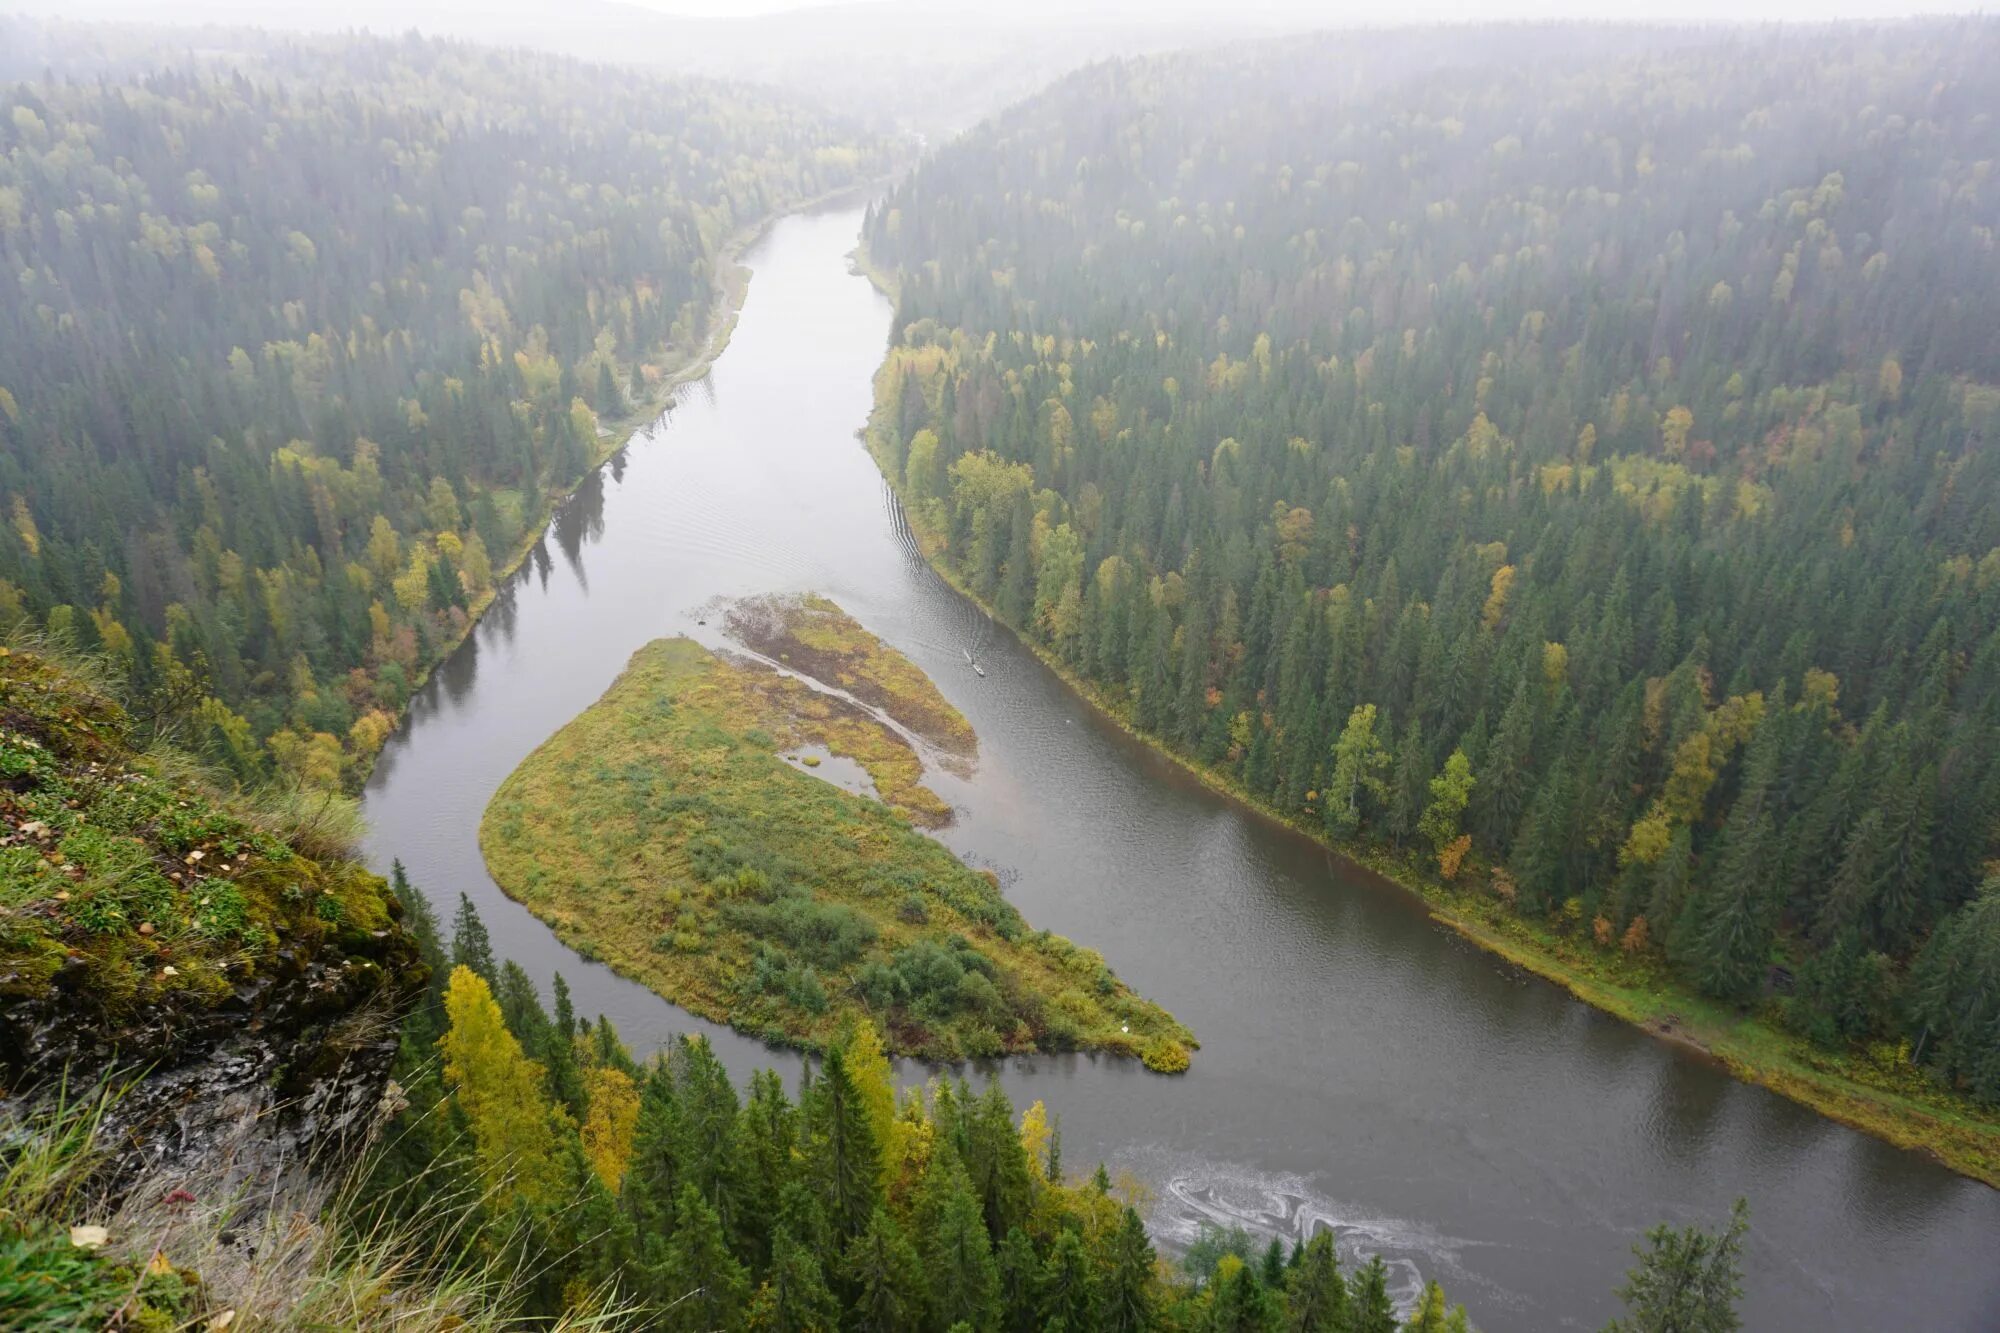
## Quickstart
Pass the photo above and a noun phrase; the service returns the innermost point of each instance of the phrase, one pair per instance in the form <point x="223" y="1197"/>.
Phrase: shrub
<point x="829" y="935"/>
<point x="927" y="971"/>
<point x="978" y="995"/>
<point x="879" y="986"/>
<point x="803" y="988"/>
<point x="1453" y="856"/>
<point x="1212" y="1244"/>
<point x="1636" y="937"/>
<point x="1164" y="1055"/>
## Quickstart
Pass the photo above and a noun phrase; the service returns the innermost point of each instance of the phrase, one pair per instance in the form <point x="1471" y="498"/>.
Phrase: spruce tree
<point x="958" y="1257"/>
<point x="1019" y="1269"/>
<point x="471" y="946"/>
<point x="1371" y="1310"/>
<point x="1067" y="1291"/>
<point x="699" y="1283"/>
<point x="795" y="1297"/>
<point x="841" y="1145"/>
<point x="1126" y="1298"/>
<point x="1315" y="1291"/>
<point x="994" y="1162"/>
<point x="1237" y="1301"/>
<point x="881" y="1270"/>
<point x="1687" y="1280"/>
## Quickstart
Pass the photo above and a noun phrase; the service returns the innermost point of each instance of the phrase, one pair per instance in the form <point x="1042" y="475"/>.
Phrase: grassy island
<point x="666" y="832"/>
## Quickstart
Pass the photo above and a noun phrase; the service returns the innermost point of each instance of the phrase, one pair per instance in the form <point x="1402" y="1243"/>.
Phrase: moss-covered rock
<point x="146" y="920"/>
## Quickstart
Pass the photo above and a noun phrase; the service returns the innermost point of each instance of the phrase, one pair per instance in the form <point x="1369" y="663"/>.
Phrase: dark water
<point x="1361" y="1068"/>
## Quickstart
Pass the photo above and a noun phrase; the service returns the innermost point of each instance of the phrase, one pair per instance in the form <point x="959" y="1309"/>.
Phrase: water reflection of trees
<point x="455" y="675"/>
<point x="1881" y="1186"/>
<point x="539" y="562"/>
<point x="503" y="617"/>
<point x="578" y="520"/>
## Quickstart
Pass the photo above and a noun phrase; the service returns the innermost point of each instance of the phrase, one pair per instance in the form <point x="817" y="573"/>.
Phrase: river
<point x="1361" y="1067"/>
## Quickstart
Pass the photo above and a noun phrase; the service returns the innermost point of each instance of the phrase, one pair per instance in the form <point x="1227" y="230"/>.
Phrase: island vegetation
<point x="663" y="832"/>
<point x="1558" y="474"/>
<point x="816" y="638"/>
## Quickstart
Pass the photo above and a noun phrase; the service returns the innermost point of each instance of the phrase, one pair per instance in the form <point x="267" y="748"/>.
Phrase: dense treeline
<point x="659" y="1188"/>
<point x="297" y="340"/>
<point x="1576" y="466"/>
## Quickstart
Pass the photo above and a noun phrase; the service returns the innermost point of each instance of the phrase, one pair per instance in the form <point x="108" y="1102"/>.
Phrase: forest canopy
<point x="298" y="338"/>
<point x="1568" y="463"/>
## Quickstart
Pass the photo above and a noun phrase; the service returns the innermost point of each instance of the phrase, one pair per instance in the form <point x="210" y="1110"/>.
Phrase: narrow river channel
<point x="1361" y="1068"/>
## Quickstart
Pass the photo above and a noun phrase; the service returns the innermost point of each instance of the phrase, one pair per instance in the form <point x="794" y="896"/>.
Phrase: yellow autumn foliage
<point x="609" y="1123"/>
<point x="500" y="1091"/>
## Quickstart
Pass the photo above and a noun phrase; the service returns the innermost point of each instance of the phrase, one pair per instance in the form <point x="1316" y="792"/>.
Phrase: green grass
<point x="126" y="885"/>
<point x="661" y="832"/>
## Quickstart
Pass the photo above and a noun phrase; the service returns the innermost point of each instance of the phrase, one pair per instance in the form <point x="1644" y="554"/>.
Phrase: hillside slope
<point x="1555" y="466"/>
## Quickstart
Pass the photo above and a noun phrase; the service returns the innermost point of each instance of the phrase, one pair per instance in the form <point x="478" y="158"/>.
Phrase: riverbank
<point x="1880" y="1093"/>
<point x="729" y="286"/>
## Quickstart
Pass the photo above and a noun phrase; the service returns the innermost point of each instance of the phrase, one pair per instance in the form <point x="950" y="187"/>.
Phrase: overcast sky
<point x="1336" y="13"/>
<point x="1238" y="14"/>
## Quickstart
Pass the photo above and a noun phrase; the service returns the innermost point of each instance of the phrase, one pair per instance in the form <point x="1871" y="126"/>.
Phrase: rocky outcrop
<point x="235" y="984"/>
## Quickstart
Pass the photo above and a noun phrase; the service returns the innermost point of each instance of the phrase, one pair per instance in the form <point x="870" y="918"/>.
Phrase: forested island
<point x="664" y="832"/>
<point x="1569" y="488"/>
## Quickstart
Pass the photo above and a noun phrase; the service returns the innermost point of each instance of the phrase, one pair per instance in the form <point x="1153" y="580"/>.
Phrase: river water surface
<point x="1361" y="1067"/>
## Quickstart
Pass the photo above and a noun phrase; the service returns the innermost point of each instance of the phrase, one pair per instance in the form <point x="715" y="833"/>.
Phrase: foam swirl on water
<point x="1190" y="1191"/>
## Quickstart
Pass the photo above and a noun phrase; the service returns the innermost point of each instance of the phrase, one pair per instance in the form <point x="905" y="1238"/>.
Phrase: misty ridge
<point x="903" y="66"/>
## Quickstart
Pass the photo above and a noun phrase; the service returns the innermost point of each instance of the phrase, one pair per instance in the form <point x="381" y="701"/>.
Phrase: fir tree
<point x="1687" y="1280"/>
<point x="794" y="1297"/>
<point x="471" y="947"/>
<point x="699" y="1282"/>
<point x="842" y="1142"/>
<point x="882" y="1271"/>
<point x="1066" y="1289"/>
<point x="958" y="1257"/>
<point x="1371" y="1310"/>
<point x="1127" y="1296"/>
<point x="1315" y="1291"/>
